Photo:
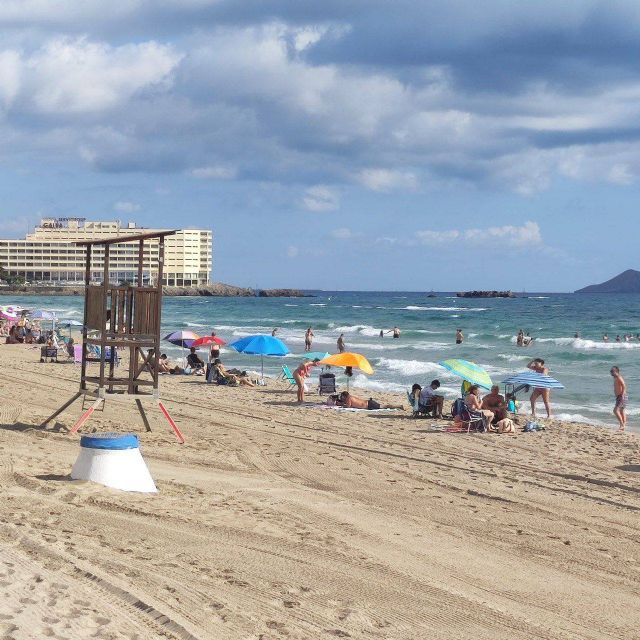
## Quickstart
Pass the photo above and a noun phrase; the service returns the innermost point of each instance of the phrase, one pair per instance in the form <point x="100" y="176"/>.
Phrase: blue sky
<point x="340" y="144"/>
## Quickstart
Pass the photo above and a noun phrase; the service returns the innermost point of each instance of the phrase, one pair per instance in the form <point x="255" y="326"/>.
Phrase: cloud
<point x="320" y="198"/>
<point x="326" y="96"/>
<point x="124" y="206"/>
<point x="342" y="233"/>
<point x="510" y="236"/>
<point x="387" y="179"/>
<point x="216" y="172"/>
<point x="292" y="252"/>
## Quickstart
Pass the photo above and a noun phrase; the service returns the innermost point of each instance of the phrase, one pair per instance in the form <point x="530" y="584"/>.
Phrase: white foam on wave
<point x="317" y="304"/>
<point x="291" y="305"/>
<point x="362" y="382"/>
<point x="538" y="297"/>
<point x="511" y="357"/>
<point x="558" y="341"/>
<point x="195" y="324"/>
<point x="409" y="367"/>
<point x="418" y="308"/>
<point x="363" y="329"/>
<point x="579" y="343"/>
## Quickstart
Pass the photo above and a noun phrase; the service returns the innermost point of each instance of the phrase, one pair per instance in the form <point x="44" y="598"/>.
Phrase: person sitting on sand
<point x="538" y="366"/>
<point x="430" y="401"/>
<point x="472" y="400"/>
<point x="346" y="400"/>
<point x="12" y="338"/>
<point x="163" y="364"/>
<point x="495" y="403"/>
<point x="194" y="361"/>
<point x="220" y="373"/>
<point x="620" y="392"/>
<point x="299" y="375"/>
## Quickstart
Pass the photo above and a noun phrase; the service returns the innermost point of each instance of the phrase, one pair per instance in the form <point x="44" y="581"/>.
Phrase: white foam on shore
<point x="512" y="358"/>
<point x="409" y="367"/>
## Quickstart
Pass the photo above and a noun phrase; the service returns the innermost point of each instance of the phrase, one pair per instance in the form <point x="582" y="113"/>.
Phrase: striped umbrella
<point x="533" y="379"/>
<point x="468" y="371"/>
<point x="182" y="339"/>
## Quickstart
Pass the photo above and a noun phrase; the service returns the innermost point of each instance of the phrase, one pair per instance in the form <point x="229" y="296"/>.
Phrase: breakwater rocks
<point x="218" y="289"/>
<point x="486" y="294"/>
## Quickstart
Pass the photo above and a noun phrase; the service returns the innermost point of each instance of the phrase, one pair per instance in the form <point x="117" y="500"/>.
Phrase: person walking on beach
<point x="340" y="343"/>
<point x="302" y="372"/>
<point x="620" y="392"/>
<point x="537" y="365"/>
<point x="308" y="339"/>
<point x="459" y="336"/>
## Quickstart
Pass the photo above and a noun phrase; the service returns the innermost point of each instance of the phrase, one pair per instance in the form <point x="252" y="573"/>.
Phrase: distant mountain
<point x="627" y="282"/>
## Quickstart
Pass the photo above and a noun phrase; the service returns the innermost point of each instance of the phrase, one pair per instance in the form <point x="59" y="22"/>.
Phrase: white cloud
<point x="620" y="174"/>
<point x="292" y="251"/>
<point x="342" y="233"/>
<point x="387" y="179"/>
<point x="511" y="236"/>
<point x="321" y="198"/>
<point x="215" y="172"/>
<point x="75" y="75"/>
<point x="124" y="206"/>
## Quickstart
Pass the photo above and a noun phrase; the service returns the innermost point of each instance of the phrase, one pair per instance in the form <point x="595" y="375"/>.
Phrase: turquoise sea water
<point x="428" y="330"/>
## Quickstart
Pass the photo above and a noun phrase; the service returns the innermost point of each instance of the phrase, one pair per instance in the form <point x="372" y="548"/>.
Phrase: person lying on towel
<point x="349" y="401"/>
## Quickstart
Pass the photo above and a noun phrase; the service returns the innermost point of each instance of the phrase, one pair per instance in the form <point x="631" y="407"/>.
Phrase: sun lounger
<point x="287" y="375"/>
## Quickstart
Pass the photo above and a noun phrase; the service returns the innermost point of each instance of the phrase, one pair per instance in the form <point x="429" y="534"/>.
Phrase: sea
<point x="428" y="325"/>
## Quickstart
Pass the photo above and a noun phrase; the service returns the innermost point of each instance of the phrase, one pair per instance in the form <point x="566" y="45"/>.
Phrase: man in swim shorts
<point x="620" y="392"/>
<point x="345" y="399"/>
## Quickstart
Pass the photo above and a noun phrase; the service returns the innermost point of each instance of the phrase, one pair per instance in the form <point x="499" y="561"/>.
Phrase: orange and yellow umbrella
<point x="347" y="359"/>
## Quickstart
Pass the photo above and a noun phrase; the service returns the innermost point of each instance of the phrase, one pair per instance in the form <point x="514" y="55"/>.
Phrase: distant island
<point x="626" y="282"/>
<point x="485" y="294"/>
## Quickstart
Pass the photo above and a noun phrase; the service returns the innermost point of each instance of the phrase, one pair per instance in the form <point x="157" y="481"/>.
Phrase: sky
<point x="342" y="144"/>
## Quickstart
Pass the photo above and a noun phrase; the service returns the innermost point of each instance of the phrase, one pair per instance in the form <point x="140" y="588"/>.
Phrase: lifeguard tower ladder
<point x="121" y="318"/>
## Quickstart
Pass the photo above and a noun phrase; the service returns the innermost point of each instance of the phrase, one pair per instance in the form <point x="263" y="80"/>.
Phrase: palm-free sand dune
<point x="275" y="521"/>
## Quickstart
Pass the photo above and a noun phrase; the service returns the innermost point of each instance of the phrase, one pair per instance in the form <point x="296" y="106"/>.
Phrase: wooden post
<point x="87" y="281"/>
<point x="103" y="334"/>
<point x="158" y="312"/>
<point x="140" y="262"/>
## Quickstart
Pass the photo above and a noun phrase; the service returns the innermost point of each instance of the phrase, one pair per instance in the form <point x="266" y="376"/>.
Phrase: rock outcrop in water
<point x="626" y="282"/>
<point x="486" y="294"/>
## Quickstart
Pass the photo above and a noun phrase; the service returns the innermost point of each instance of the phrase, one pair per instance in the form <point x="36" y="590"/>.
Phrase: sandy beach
<point x="278" y="521"/>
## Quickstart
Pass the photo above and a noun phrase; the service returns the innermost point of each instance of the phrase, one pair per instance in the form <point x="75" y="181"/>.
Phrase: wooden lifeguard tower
<point x="118" y="317"/>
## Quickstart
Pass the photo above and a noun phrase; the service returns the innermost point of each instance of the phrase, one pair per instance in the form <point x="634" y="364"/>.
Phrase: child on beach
<point x="620" y="392"/>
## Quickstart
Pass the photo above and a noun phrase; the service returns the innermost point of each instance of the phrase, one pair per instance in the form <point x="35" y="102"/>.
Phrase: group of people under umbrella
<point x="472" y="375"/>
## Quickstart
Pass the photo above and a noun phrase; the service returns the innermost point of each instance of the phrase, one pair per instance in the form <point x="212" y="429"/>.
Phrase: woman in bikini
<point x="300" y="374"/>
<point x="537" y="365"/>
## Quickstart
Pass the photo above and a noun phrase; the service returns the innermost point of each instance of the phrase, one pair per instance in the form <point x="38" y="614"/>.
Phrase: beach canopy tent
<point x="314" y="355"/>
<point x="468" y="371"/>
<point x="200" y="342"/>
<point x="348" y="359"/>
<point x="68" y="323"/>
<point x="532" y="379"/>
<point x="44" y="314"/>
<point x="260" y="345"/>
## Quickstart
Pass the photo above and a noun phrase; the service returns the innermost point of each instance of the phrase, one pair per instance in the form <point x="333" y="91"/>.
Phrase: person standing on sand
<point x="308" y="339"/>
<point x="459" y="336"/>
<point x="340" y="343"/>
<point x="537" y="365"/>
<point x="620" y="392"/>
<point x="302" y="372"/>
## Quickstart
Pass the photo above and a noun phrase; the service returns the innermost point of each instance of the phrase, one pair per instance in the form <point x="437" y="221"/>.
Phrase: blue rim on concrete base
<point x="113" y="441"/>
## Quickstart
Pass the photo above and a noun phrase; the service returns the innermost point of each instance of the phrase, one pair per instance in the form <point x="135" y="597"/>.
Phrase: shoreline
<point x="217" y="289"/>
<point x="276" y="520"/>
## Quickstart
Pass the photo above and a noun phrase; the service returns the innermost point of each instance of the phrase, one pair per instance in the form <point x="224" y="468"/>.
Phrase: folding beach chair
<point x="327" y="383"/>
<point x="418" y="410"/>
<point x="287" y="375"/>
<point x="469" y="419"/>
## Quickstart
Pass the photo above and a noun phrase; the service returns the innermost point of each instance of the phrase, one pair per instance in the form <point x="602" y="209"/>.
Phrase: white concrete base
<point x="122" y="469"/>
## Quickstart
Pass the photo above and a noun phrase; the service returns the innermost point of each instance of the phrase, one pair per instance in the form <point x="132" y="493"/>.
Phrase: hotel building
<point x="49" y="255"/>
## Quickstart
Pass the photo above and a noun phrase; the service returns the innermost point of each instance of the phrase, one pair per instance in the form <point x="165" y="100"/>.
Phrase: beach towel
<point x="311" y="405"/>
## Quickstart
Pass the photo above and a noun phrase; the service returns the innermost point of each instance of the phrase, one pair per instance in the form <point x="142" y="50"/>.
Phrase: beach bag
<point x="532" y="426"/>
<point x="457" y="407"/>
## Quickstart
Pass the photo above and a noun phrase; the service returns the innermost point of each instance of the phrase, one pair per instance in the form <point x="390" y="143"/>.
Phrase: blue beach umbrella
<point x="260" y="345"/>
<point x="533" y="379"/>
